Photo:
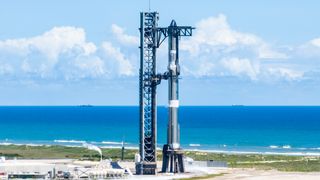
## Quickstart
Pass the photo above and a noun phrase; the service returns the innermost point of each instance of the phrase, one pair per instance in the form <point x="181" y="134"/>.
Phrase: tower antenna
<point x="149" y="5"/>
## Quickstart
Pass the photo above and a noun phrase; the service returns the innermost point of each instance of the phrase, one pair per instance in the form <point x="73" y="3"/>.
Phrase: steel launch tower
<point x="151" y="37"/>
<point x="147" y="94"/>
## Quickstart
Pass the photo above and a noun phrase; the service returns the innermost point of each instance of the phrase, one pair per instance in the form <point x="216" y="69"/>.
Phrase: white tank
<point x="137" y="158"/>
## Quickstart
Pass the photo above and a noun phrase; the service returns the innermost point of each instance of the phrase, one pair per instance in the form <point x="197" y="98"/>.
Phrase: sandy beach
<point x="233" y="174"/>
<point x="253" y="174"/>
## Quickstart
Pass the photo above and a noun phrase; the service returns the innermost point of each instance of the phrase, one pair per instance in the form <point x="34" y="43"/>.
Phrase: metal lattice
<point x="147" y="87"/>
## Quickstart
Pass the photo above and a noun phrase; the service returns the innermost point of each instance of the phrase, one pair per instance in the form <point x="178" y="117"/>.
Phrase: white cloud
<point x="214" y="34"/>
<point x="51" y="44"/>
<point x="62" y="52"/>
<point x="199" y="70"/>
<point x="82" y="67"/>
<point x="122" y="37"/>
<point x="41" y="54"/>
<point x="310" y="49"/>
<point x="124" y="65"/>
<point x="216" y="31"/>
<point x="93" y="66"/>
<point x="266" y="52"/>
<point x="215" y="49"/>
<point x="285" y="73"/>
<point x="238" y="66"/>
<point x="315" y="42"/>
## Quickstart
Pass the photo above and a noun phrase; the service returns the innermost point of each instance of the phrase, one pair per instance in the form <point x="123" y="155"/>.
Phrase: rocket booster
<point x="174" y="71"/>
<point x="172" y="152"/>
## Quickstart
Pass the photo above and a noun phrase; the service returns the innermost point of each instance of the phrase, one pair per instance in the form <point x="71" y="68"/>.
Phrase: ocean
<point x="291" y="130"/>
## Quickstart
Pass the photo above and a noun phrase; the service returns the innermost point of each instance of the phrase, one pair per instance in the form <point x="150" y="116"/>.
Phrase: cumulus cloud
<point x="62" y="52"/>
<point x="214" y="34"/>
<point x="315" y="42"/>
<point x="216" y="49"/>
<point x="41" y="54"/>
<point x="123" y="64"/>
<point x="51" y="44"/>
<point x="310" y="49"/>
<point x="285" y="73"/>
<point x="83" y="67"/>
<point x="203" y="69"/>
<point x="122" y="37"/>
<point x="238" y="66"/>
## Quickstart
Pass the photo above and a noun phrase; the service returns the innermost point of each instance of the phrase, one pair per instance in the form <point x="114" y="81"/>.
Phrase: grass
<point x="56" y="152"/>
<point x="299" y="166"/>
<point x="264" y="162"/>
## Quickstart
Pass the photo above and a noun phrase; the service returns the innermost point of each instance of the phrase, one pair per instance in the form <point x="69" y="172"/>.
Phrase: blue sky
<point x="85" y="52"/>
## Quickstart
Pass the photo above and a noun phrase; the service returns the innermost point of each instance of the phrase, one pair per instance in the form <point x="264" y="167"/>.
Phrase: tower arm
<point x="156" y="80"/>
<point x="163" y="33"/>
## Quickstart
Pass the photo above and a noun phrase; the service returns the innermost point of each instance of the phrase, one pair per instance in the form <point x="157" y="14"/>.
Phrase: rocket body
<point x="173" y="80"/>
<point x="172" y="160"/>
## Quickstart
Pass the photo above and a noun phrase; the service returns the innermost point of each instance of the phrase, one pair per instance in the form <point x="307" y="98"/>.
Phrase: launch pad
<point x="151" y="37"/>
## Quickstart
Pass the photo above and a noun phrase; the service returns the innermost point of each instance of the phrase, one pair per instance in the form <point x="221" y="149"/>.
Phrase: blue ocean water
<point x="233" y="129"/>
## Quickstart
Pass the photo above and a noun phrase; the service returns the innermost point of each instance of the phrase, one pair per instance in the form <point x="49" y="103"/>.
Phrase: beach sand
<point x="235" y="174"/>
<point x="253" y="174"/>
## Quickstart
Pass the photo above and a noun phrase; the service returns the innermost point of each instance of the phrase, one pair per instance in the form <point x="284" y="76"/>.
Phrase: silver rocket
<point x="173" y="80"/>
<point x="172" y="152"/>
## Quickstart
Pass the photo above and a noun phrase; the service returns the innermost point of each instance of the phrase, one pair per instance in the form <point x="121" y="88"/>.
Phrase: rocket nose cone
<point x="173" y="23"/>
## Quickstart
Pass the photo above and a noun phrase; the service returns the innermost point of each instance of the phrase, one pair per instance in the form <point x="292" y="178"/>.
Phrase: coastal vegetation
<point x="257" y="161"/>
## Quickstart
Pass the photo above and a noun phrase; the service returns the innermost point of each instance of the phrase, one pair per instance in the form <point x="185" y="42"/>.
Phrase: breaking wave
<point x="69" y="141"/>
<point x="112" y="142"/>
<point x="194" y="145"/>
<point x="283" y="147"/>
